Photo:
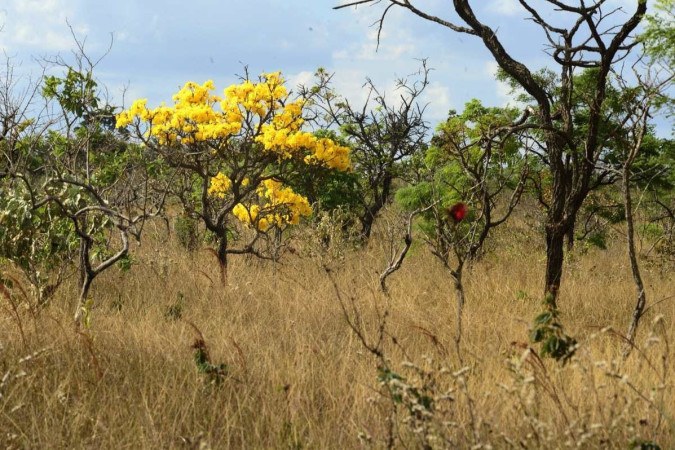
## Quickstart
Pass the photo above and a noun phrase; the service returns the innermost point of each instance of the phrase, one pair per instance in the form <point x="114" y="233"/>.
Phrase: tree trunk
<point x="555" y="240"/>
<point x="367" y="224"/>
<point x="82" y="301"/>
<point x="379" y="201"/>
<point x="222" y="257"/>
<point x="87" y="276"/>
<point x="570" y="237"/>
<point x="459" y="297"/>
<point x="635" y="268"/>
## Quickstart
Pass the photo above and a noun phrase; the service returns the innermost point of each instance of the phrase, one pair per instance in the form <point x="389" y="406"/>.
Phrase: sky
<point x="158" y="45"/>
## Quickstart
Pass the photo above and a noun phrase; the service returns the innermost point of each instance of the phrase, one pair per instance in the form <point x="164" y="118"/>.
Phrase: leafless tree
<point x="383" y="133"/>
<point x="638" y="105"/>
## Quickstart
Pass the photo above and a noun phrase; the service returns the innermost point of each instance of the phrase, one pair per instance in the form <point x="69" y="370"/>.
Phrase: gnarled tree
<point x="578" y="36"/>
<point x="383" y="133"/>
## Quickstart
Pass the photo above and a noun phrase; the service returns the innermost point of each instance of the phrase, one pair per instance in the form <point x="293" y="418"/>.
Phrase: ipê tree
<point x="231" y="155"/>
<point x="577" y="36"/>
<point x="384" y="134"/>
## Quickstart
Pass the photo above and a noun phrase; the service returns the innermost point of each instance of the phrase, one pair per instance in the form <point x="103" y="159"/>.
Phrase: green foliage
<point x="386" y="377"/>
<point x="598" y="239"/>
<point x="548" y="332"/>
<point x="328" y="189"/>
<point x="416" y="196"/>
<point x="215" y="374"/>
<point x="640" y="444"/>
<point x="659" y="35"/>
<point x="125" y="263"/>
<point x="417" y="398"/>
<point x="38" y="240"/>
<point x="77" y="94"/>
<point x="338" y="190"/>
<point x="654" y="167"/>
<point x="467" y="161"/>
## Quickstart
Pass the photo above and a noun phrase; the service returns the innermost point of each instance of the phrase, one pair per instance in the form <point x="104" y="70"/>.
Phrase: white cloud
<point x="387" y="49"/>
<point x="403" y="40"/>
<point x="505" y="7"/>
<point x="437" y="99"/>
<point x="24" y="34"/>
<point x="303" y="78"/>
<point x="41" y="25"/>
<point x="349" y="82"/>
<point x="36" y="6"/>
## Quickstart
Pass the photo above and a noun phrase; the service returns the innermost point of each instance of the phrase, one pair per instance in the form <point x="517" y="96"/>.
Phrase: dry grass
<point x="298" y="377"/>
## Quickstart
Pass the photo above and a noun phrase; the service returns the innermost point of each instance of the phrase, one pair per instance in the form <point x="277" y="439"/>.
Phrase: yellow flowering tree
<point x="232" y="153"/>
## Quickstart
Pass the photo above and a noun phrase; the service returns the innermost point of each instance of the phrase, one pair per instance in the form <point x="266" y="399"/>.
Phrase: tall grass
<point x="297" y="376"/>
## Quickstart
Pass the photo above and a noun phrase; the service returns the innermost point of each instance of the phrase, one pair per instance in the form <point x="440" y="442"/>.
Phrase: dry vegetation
<point x="298" y="377"/>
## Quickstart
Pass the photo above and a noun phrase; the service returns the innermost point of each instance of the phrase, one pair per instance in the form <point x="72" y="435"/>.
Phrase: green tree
<point x="477" y="160"/>
<point x="74" y="179"/>
<point x="577" y="36"/>
<point x="659" y="34"/>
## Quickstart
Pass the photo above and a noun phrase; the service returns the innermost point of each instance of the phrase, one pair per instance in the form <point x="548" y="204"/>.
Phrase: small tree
<point x="37" y="241"/>
<point x="231" y="155"/>
<point x="101" y="183"/>
<point x="76" y="183"/>
<point x="384" y="134"/>
<point x="639" y="102"/>
<point x="477" y="159"/>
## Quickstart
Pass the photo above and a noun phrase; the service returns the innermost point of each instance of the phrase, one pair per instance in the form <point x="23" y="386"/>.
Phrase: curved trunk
<point x="367" y="224"/>
<point x="379" y="201"/>
<point x="460" y="299"/>
<point x="570" y="237"/>
<point x="87" y="276"/>
<point x="222" y="257"/>
<point x="82" y="301"/>
<point x="635" y="268"/>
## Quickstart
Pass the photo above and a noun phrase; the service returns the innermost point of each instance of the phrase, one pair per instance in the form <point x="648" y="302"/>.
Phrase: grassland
<point x="298" y="377"/>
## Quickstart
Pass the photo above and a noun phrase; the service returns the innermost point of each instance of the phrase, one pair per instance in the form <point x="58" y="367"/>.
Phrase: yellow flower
<point x="279" y="206"/>
<point x="220" y="185"/>
<point x="123" y="119"/>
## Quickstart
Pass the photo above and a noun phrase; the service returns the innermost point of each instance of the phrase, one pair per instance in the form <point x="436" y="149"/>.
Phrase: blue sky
<point x="159" y="45"/>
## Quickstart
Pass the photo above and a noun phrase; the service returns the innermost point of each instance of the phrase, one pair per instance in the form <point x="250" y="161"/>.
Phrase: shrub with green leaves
<point x="38" y="241"/>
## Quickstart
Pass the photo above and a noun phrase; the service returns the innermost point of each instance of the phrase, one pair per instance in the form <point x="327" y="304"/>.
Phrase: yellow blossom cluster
<point x="326" y="151"/>
<point x="282" y="206"/>
<point x="195" y="117"/>
<point x="220" y="185"/>
<point x="258" y="98"/>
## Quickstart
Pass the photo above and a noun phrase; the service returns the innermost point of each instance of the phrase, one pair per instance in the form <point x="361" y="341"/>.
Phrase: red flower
<point x="458" y="211"/>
